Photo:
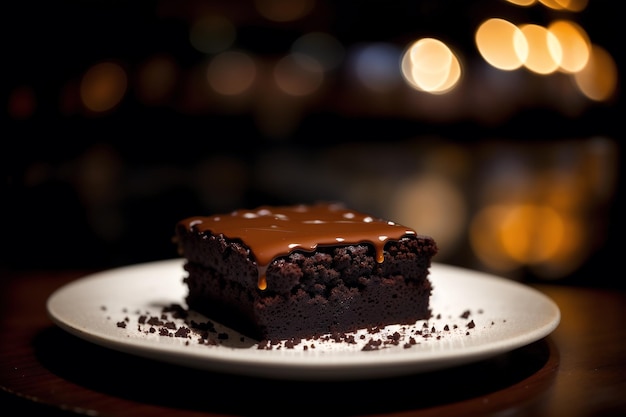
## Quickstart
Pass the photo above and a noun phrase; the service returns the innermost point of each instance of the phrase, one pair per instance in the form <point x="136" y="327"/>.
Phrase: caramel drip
<point x="271" y="232"/>
<point x="262" y="281"/>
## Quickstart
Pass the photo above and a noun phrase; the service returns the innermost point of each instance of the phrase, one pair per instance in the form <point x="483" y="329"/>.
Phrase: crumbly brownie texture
<point x="277" y="273"/>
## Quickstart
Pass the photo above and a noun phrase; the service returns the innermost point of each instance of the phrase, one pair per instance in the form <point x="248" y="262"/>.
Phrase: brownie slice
<point x="277" y="273"/>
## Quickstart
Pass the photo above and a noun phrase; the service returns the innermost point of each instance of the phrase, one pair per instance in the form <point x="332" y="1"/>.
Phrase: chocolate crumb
<point x="176" y="321"/>
<point x="182" y="332"/>
<point x="372" y="344"/>
<point x="154" y="321"/>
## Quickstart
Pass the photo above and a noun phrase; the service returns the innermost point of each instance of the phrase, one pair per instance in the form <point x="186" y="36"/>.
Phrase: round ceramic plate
<point x="475" y="316"/>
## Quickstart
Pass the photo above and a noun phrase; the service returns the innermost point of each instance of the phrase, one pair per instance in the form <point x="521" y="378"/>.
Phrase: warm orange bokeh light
<point x="598" y="80"/>
<point x="574" y="43"/>
<point x="103" y="86"/>
<point x="429" y="65"/>
<point x="531" y="233"/>
<point x="544" y="52"/>
<point x="501" y="44"/>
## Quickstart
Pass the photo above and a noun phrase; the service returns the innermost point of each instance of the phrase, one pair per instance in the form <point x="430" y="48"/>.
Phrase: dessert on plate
<point x="302" y="271"/>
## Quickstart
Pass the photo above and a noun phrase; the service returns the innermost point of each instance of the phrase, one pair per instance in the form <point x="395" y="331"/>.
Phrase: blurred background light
<point x="284" y="10"/>
<point x="429" y="65"/>
<point x="103" y="86"/>
<point x="157" y="79"/>
<point x="598" y="80"/>
<point x="22" y="103"/>
<point x="493" y="125"/>
<point x="375" y="65"/>
<point x="231" y="73"/>
<point x="322" y="47"/>
<point x="298" y="75"/>
<point x="435" y="206"/>
<point x="502" y="44"/>
<point x="212" y="34"/>
<point x="544" y="51"/>
<point x="575" y="45"/>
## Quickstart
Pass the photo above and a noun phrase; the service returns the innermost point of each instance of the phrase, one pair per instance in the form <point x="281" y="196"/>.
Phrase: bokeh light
<point x="157" y="79"/>
<point x="544" y="51"/>
<point x="599" y="78"/>
<point x="433" y="205"/>
<point x="501" y="44"/>
<point x="22" y="103"/>
<point x="429" y="65"/>
<point x="212" y="34"/>
<point x="322" y="47"/>
<point x="231" y="73"/>
<point x="575" y="45"/>
<point x="566" y="5"/>
<point x="103" y="86"/>
<point x="298" y="75"/>
<point x="284" y="10"/>
<point x="376" y="65"/>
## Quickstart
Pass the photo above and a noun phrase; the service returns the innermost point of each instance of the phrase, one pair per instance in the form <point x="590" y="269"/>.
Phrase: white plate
<point x="506" y="315"/>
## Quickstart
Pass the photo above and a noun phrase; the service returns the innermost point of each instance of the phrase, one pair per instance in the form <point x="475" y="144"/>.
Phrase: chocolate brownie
<point x="284" y="272"/>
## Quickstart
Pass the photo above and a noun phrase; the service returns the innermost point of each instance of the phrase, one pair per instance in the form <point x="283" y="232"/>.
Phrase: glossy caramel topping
<point x="270" y="232"/>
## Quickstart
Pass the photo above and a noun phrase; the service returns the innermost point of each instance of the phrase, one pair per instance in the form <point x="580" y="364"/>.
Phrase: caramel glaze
<point x="273" y="231"/>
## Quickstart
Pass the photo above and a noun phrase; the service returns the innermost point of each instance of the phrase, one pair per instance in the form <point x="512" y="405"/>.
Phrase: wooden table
<point x="579" y="370"/>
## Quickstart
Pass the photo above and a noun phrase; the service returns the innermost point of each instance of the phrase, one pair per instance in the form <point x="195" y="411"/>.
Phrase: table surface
<point x="578" y="370"/>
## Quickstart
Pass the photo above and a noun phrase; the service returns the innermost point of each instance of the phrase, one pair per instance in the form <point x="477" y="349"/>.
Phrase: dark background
<point x="95" y="191"/>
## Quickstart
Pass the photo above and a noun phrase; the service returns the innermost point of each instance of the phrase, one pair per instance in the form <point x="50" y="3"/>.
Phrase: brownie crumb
<point x="176" y="321"/>
<point x="182" y="332"/>
<point x="372" y="344"/>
